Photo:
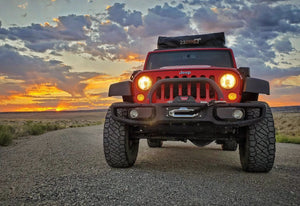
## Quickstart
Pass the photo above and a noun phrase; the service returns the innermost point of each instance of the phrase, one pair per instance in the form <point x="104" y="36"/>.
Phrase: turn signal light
<point x="232" y="96"/>
<point x="140" y="97"/>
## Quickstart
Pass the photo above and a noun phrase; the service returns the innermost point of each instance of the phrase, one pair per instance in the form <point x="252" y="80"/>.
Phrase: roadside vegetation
<point x="287" y="126"/>
<point x="13" y="129"/>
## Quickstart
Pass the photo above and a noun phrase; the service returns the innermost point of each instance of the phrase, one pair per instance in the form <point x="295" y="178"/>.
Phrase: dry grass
<point x="287" y="126"/>
<point x="14" y="125"/>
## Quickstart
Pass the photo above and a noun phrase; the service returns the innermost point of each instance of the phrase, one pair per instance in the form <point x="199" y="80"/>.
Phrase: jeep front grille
<point x="200" y="91"/>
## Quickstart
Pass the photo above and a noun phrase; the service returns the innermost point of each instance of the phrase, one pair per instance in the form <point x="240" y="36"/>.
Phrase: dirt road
<point x="68" y="167"/>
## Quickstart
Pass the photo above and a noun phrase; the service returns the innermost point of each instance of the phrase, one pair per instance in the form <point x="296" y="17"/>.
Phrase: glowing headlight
<point x="227" y="81"/>
<point x="144" y="83"/>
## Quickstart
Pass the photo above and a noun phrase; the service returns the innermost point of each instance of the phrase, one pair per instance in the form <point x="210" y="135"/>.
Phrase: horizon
<point x="62" y="55"/>
<point x="104" y="109"/>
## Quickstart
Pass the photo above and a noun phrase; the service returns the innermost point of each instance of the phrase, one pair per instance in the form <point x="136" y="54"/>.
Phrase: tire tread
<point x="258" y="152"/>
<point x="114" y="143"/>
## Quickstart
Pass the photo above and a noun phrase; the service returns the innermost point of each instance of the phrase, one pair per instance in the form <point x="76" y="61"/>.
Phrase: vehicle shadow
<point x="188" y="159"/>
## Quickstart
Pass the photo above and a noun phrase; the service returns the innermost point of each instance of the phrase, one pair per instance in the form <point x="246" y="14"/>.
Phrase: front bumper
<point x="214" y="112"/>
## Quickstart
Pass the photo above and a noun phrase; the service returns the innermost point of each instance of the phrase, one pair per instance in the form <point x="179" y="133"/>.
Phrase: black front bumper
<point x="212" y="113"/>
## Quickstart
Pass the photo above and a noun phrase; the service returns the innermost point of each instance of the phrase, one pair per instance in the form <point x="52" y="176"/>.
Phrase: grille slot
<point x="200" y="91"/>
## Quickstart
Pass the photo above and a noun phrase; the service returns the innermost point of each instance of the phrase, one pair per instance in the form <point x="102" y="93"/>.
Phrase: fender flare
<point x="120" y="89"/>
<point x="254" y="85"/>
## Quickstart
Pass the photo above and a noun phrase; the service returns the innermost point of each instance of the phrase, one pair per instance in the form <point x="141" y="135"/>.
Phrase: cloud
<point x="263" y="17"/>
<point x="259" y="69"/>
<point x="112" y="34"/>
<point x="128" y="35"/>
<point x="29" y="83"/>
<point x="261" y="33"/>
<point x="117" y="13"/>
<point x="42" y="37"/>
<point x="165" y="19"/>
<point x="73" y="26"/>
<point x="286" y="81"/>
<point x="124" y="32"/>
<point x="215" y="20"/>
<point x="54" y="53"/>
<point x="283" y="46"/>
<point x="40" y="46"/>
<point x="34" y="70"/>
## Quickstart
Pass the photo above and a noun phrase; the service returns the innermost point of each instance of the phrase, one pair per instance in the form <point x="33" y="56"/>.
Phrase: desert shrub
<point x="6" y="134"/>
<point x="51" y="127"/>
<point x="34" y="128"/>
<point x="54" y="126"/>
<point x="16" y="128"/>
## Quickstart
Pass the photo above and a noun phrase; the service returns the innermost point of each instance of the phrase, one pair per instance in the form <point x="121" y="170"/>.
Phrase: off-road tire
<point x="229" y="145"/>
<point x="154" y="143"/>
<point x="119" y="150"/>
<point x="257" y="149"/>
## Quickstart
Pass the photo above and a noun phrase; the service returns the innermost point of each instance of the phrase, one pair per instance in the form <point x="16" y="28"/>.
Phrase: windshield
<point x="219" y="58"/>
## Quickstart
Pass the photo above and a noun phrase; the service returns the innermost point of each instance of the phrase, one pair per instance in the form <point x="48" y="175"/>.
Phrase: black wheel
<point x="119" y="149"/>
<point x="229" y="145"/>
<point x="154" y="143"/>
<point x="257" y="150"/>
<point x="201" y="143"/>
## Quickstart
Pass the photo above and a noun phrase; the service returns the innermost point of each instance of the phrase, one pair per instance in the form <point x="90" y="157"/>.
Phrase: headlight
<point x="227" y="81"/>
<point x="144" y="83"/>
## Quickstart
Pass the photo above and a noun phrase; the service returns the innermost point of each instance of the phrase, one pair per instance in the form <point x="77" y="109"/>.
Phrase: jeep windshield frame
<point x="180" y="57"/>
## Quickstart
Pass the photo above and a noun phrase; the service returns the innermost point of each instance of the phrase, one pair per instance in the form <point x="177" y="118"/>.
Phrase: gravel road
<point x="67" y="167"/>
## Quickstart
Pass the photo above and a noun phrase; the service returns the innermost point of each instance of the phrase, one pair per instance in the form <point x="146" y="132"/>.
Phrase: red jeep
<point x="191" y="89"/>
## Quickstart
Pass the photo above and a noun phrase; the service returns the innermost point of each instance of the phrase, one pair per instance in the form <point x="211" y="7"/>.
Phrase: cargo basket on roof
<point x="204" y="40"/>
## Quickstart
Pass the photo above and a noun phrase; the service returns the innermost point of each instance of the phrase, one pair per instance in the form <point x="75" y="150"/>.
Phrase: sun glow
<point x="63" y="106"/>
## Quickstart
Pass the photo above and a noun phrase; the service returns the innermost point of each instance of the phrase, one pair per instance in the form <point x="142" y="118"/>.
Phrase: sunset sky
<point x="63" y="54"/>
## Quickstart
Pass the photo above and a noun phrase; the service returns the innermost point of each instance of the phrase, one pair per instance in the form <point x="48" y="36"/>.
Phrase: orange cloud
<point x="46" y="24"/>
<point x="17" y="99"/>
<point x="34" y="108"/>
<point x="48" y="97"/>
<point x="45" y="90"/>
<point x="23" y="6"/>
<point x="34" y="98"/>
<point x="55" y="20"/>
<point x="102" y="82"/>
<point x="105" y="22"/>
<point x="286" y="81"/>
<point x="134" y="57"/>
